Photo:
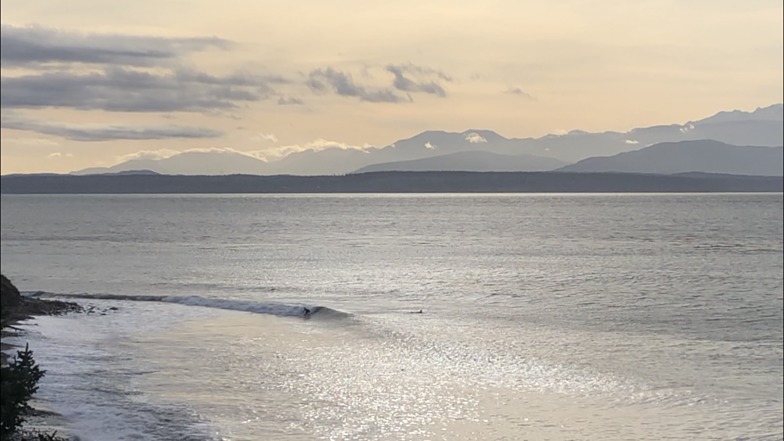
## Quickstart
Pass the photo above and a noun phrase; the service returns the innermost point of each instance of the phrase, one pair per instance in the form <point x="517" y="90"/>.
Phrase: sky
<point x="92" y="83"/>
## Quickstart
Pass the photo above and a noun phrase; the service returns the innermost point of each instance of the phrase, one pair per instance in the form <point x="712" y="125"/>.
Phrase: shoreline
<point x="392" y="182"/>
<point x="17" y="309"/>
<point x="39" y="421"/>
<point x="28" y="309"/>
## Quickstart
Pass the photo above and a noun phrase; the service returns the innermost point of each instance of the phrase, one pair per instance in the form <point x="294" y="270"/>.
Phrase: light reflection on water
<point x="239" y="376"/>
<point x="548" y="317"/>
<point x="307" y="380"/>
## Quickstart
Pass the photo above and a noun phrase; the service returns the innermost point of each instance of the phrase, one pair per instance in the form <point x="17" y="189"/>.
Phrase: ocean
<point x="405" y="317"/>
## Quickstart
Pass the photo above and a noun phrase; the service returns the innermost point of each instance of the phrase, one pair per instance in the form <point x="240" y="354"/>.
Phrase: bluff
<point x="14" y="306"/>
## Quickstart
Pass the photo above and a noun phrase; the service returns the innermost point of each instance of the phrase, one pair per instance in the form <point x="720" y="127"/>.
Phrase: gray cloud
<point x="520" y="92"/>
<point x="106" y="132"/>
<point x="322" y="80"/>
<point x="286" y="101"/>
<point x="126" y="73"/>
<point x="121" y="89"/>
<point x="406" y="84"/>
<point x="32" y="45"/>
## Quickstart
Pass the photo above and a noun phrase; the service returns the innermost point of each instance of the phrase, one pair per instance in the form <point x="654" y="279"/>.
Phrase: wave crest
<point x="271" y="308"/>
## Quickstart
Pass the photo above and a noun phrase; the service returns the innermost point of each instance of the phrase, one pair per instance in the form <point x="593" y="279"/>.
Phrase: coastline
<point x="27" y="309"/>
<point x="392" y="182"/>
<point x="39" y="422"/>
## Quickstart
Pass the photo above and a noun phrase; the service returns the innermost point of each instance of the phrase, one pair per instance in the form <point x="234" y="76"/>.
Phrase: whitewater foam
<point x="270" y="308"/>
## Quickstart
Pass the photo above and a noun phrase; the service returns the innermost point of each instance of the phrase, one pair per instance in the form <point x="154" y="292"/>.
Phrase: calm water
<point x="543" y="316"/>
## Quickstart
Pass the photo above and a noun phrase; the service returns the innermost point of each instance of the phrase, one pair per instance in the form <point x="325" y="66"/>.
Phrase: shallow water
<point x="544" y="316"/>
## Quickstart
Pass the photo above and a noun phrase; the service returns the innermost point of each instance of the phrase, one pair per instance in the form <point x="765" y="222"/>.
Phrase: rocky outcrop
<point x="14" y="306"/>
<point x="9" y="295"/>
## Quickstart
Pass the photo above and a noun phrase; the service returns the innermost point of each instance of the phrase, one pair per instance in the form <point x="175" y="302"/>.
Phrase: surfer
<point x="306" y="311"/>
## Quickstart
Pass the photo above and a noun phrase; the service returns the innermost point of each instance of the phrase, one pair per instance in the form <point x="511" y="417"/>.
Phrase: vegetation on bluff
<point x="19" y="383"/>
<point x="19" y="376"/>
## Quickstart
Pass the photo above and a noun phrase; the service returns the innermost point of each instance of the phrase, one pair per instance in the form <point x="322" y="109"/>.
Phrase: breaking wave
<point x="271" y="308"/>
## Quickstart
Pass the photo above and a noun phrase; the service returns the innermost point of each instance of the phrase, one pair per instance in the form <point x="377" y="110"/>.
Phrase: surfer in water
<point x="305" y="311"/>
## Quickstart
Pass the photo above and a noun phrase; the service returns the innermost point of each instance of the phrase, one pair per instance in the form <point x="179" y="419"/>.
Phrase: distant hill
<point x="389" y="182"/>
<point x="189" y="163"/>
<point x="469" y="161"/>
<point x="326" y="162"/>
<point x="429" y="144"/>
<point x="762" y="127"/>
<point x="134" y="172"/>
<point x="704" y="156"/>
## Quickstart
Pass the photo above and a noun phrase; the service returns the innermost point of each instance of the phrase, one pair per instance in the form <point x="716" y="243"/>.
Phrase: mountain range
<point x="733" y="142"/>
<point x="704" y="156"/>
<point x="469" y="161"/>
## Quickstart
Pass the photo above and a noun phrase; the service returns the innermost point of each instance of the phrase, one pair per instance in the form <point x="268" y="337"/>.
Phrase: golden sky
<point x="91" y="82"/>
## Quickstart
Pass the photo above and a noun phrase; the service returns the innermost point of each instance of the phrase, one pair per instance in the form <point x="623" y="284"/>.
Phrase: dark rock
<point x="9" y="295"/>
<point x="16" y="307"/>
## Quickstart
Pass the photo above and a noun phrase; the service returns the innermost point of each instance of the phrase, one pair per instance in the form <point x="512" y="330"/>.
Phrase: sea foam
<point x="255" y="307"/>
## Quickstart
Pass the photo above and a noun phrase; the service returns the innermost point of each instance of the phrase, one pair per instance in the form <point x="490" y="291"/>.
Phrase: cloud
<point x="323" y="80"/>
<point x="407" y="84"/>
<point x="475" y="138"/>
<point x="128" y="90"/>
<point x="35" y="45"/>
<point x="31" y="141"/>
<point x="149" y="154"/>
<point x="430" y="146"/>
<point x="116" y="72"/>
<point x="265" y="137"/>
<point x="687" y="128"/>
<point x="520" y="92"/>
<point x="316" y="146"/>
<point x="92" y="132"/>
<point x="286" y="101"/>
<point x="58" y="155"/>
